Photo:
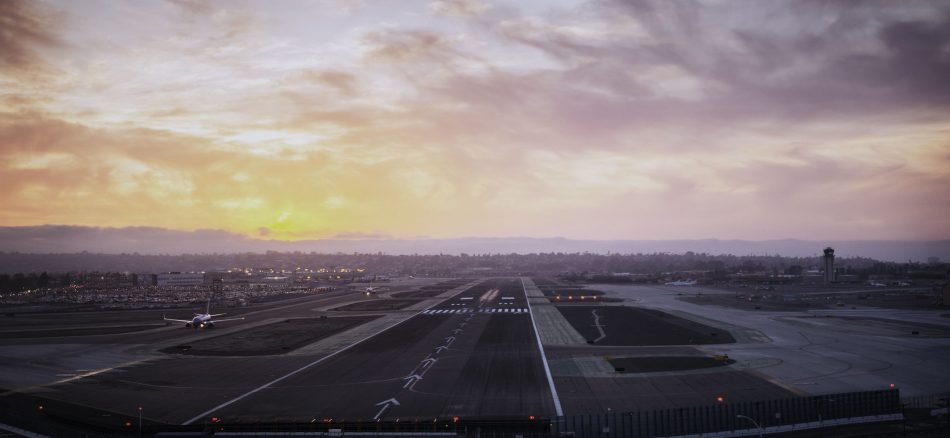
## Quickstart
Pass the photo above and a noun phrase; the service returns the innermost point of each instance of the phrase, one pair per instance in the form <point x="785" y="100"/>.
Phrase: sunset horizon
<point x="594" y="120"/>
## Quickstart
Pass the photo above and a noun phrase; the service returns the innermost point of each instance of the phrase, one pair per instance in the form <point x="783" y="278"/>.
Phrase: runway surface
<point x="474" y="355"/>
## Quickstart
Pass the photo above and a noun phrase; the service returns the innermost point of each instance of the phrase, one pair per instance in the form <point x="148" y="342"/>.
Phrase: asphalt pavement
<point x="474" y="355"/>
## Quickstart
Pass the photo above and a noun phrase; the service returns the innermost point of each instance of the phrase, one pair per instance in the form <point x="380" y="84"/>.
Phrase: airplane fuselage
<point x="202" y="320"/>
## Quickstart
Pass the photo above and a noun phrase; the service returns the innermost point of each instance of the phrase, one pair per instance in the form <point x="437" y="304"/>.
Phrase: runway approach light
<point x="720" y="399"/>
<point x="455" y="419"/>
<point x="892" y="386"/>
<point x="531" y="417"/>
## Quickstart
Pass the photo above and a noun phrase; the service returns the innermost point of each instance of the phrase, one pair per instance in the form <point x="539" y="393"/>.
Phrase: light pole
<point x="756" y="423"/>
<point x="140" y="421"/>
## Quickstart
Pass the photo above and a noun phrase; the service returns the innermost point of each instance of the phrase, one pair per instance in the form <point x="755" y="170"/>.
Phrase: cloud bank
<point x="751" y="120"/>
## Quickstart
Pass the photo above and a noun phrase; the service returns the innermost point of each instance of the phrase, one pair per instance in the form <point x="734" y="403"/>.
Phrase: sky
<point x="296" y="120"/>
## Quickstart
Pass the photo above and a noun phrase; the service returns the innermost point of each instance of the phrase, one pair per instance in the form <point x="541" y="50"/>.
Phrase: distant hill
<point x="148" y="240"/>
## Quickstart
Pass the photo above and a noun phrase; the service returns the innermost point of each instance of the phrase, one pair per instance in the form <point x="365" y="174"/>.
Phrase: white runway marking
<point x="544" y="359"/>
<point x="305" y="367"/>
<point x="385" y="404"/>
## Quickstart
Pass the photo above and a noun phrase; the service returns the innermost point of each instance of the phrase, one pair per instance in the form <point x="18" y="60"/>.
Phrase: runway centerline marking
<point x="316" y="362"/>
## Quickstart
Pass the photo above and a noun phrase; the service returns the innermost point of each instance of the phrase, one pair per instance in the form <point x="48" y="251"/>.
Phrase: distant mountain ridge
<point x="150" y="240"/>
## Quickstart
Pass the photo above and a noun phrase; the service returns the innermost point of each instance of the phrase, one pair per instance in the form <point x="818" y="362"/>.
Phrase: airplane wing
<point x="175" y="320"/>
<point x="223" y="320"/>
<point x="217" y="314"/>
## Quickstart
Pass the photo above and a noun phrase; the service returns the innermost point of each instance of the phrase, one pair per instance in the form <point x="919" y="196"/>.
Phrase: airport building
<point x="145" y="280"/>
<point x="828" y="262"/>
<point x="180" y="279"/>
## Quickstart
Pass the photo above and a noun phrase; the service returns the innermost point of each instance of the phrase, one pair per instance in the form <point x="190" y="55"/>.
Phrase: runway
<point x="470" y="356"/>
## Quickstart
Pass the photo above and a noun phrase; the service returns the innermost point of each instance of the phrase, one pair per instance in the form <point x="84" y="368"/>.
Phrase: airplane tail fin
<point x="208" y="310"/>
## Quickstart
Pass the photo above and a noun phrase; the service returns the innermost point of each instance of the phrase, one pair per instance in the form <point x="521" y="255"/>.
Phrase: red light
<point x="215" y="420"/>
<point x="455" y="419"/>
<point x="40" y="408"/>
<point x="128" y="424"/>
<point x="720" y="399"/>
<point x="531" y="417"/>
<point x="892" y="386"/>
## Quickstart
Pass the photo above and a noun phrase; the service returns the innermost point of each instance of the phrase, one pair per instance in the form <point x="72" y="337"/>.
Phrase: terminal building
<point x="180" y="279"/>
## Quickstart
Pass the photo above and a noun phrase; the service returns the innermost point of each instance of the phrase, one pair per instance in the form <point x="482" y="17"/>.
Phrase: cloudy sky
<point x="583" y="119"/>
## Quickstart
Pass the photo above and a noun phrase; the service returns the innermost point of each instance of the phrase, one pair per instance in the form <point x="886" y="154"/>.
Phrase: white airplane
<point x="682" y="283"/>
<point x="374" y="289"/>
<point x="202" y="320"/>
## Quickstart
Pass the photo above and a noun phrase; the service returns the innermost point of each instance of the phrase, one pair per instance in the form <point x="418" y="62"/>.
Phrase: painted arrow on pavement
<point x="385" y="404"/>
<point x="411" y="380"/>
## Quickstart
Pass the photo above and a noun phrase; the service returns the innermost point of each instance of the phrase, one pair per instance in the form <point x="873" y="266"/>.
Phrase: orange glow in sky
<point x="595" y="120"/>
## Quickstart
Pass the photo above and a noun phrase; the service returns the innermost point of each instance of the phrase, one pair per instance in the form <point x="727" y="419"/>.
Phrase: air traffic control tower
<point x="829" y="263"/>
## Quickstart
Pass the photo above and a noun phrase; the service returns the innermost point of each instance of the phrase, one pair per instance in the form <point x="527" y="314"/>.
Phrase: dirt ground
<point x="276" y="338"/>
<point x="666" y="363"/>
<point x="623" y="325"/>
